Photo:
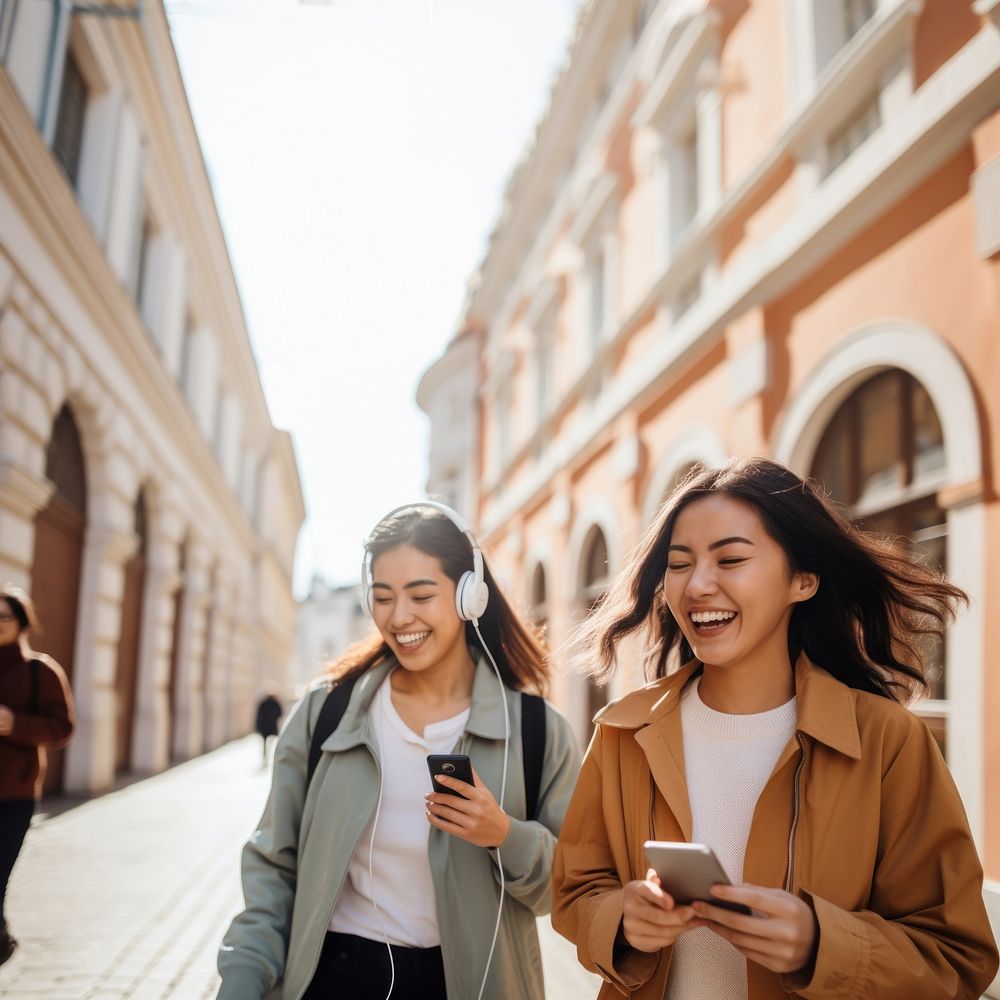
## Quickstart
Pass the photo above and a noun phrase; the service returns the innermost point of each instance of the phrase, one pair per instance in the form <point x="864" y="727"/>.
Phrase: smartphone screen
<point x="688" y="872"/>
<point x="454" y="765"/>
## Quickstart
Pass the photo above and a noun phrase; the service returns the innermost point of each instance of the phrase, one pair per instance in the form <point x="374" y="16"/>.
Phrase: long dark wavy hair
<point x="519" y="652"/>
<point x="867" y="624"/>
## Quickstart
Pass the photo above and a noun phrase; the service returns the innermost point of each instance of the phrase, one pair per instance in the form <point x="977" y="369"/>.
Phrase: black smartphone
<point x="688" y="871"/>
<point x="454" y="765"/>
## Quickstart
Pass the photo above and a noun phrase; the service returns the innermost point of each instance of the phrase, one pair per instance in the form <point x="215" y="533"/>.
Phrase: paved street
<point x="128" y="895"/>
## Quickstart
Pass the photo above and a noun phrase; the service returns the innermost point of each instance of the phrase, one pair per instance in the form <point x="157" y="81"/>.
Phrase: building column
<point x="189" y="724"/>
<point x="22" y="496"/>
<point x="217" y="661"/>
<point x="240" y="686"/>
<point x="150" y="750"/>
<point x="90" y="759"/>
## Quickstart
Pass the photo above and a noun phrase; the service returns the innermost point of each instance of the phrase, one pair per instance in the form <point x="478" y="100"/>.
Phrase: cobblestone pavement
<point x="128" y="895"/>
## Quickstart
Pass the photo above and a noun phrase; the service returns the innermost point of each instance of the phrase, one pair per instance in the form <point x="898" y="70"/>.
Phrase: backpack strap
<point x="532" y="737"/>
<point x="33" y="666"/>
<point x="330" y="715"/>
<point x="532" y="749"/>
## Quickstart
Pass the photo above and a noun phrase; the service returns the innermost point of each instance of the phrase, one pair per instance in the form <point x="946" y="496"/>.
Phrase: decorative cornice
<point x="697" y="39"/>
<point x="40" y="193"/>
<point x="22" y="492"/>
<point x="936" y="123"/>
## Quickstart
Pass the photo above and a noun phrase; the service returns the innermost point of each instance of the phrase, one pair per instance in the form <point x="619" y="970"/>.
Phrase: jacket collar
<point x="826" y="707"/>
<point x="486" y="717"/>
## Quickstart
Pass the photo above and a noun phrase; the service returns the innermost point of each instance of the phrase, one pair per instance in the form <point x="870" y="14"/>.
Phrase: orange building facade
<point x="756" y="227"/>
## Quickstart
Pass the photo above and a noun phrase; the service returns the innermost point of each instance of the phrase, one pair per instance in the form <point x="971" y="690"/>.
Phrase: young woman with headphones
<point x="362" y="881"/>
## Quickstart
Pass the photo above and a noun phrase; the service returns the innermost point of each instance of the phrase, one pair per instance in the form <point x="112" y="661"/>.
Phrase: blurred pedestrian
<point x="783" y="743"/>
<point x="268" y="716"/>
<point x="36" y="711"/>
<point x="368" y="881"/>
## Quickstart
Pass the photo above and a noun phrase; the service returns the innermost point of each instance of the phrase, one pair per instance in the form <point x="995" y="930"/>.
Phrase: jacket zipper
<point x="795" y="813"/>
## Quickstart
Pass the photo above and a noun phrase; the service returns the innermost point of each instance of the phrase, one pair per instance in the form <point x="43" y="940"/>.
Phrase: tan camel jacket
<point x="860" y="817"/>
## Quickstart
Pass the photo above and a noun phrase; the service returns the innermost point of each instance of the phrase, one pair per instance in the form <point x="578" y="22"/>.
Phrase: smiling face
<point x="413" y="601"/>
<point x="729" y="586"/>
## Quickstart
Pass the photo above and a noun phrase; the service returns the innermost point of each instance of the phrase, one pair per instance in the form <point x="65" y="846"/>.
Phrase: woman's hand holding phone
<point x="650" y="919"/>
<point x="782" y="935"/>
<point x="473" y="814"/>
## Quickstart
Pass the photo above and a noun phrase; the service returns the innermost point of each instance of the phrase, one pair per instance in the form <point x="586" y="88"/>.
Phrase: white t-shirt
<point x="727" y="761"/>
<point x="403" y="887"/>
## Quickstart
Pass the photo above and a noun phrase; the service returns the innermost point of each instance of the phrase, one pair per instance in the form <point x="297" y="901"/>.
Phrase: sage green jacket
<point x="295" y="864"/>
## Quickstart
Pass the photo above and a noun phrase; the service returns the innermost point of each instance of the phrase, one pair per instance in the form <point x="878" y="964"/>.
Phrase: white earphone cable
<point x="503" y="789"/>
<point x="371" y="877"/>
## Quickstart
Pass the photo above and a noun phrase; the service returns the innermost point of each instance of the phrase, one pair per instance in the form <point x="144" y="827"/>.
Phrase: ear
<point x="804" y="586"/>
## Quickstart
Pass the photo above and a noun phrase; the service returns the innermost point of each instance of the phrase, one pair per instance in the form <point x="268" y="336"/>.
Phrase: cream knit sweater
<point x="727" y="761"/>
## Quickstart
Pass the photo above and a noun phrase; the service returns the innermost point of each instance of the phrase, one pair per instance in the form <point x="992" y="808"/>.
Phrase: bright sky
<point x="359" y="151"/>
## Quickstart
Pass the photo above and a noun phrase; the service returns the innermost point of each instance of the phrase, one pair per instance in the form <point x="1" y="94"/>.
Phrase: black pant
<point x="15" y="818"/>
<point x="354" y="968"/>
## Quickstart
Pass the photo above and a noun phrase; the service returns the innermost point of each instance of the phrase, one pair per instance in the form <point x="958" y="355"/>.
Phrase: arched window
<point x="678" y="477"/>
<point x="539" y="597"/>
<point x="593" y="568"/>
<point x="882" y="457"/>
<point x="57" y="559"/>
<point x="130" y="636"/>
<point x="593" y="586"/>
<point x="64" y="463"/>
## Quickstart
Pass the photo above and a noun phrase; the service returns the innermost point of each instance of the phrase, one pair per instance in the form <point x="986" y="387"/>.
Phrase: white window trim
<point x="929" y="359"/>
<point x="883" y="173"/>
<point x="698" y="443"/>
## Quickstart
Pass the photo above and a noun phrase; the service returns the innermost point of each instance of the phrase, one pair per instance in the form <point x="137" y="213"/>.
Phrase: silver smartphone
<point x="688" y="871"/>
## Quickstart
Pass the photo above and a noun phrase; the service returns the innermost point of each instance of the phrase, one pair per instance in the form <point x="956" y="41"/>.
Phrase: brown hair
<point x="519" y="652"/>
<point x="874" y="608"/>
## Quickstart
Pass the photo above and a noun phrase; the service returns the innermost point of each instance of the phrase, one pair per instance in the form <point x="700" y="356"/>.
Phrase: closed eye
<point x="731" y="562"/>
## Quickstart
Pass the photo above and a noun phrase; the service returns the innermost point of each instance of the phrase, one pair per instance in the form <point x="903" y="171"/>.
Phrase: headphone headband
<point x="471" y="591"/>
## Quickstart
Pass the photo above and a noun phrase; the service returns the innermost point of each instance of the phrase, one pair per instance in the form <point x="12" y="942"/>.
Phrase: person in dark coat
<point x="36" y="711"/>
<point x="268" y="717"/>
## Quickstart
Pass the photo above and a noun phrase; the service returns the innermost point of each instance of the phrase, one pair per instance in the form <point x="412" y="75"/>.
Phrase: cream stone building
<point x="330" y="620"/>
<point x="146" y="500"/>
<point x="758" y="227"/>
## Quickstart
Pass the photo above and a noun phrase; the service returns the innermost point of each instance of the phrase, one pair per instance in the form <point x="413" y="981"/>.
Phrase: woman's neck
<point x="740" y="690"/>
<point x="449" y="680"/>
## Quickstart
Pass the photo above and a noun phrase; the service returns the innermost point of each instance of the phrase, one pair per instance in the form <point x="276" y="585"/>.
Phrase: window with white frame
<point x="544" y="356"/>
<point x="593" y="584"/>
<point x="539" y="598"/>
<point x="882" y="457"/>
<point x="596" y="295"/>
<point x="682" y="178"/>
<point x="67" y="141"/>
<point x="851" y="135"/>
<point x="138" y="280"/>
<point x="835" y="23"/>
<point x="187" y="349"/>
<point x="857" y="13"/>
<point x="502" y="414"/>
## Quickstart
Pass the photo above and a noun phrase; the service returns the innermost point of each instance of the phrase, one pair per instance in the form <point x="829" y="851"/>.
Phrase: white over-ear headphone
<point x="471" y="597"/>
<point x="471" y="592"/>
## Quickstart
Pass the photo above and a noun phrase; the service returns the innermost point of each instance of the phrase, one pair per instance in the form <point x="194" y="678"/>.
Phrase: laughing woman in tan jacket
<point x="784" y="744"/>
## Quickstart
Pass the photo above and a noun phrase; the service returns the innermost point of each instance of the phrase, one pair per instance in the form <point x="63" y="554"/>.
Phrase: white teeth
<point x="411" y="638"/>
<point x="704" y="617"/>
